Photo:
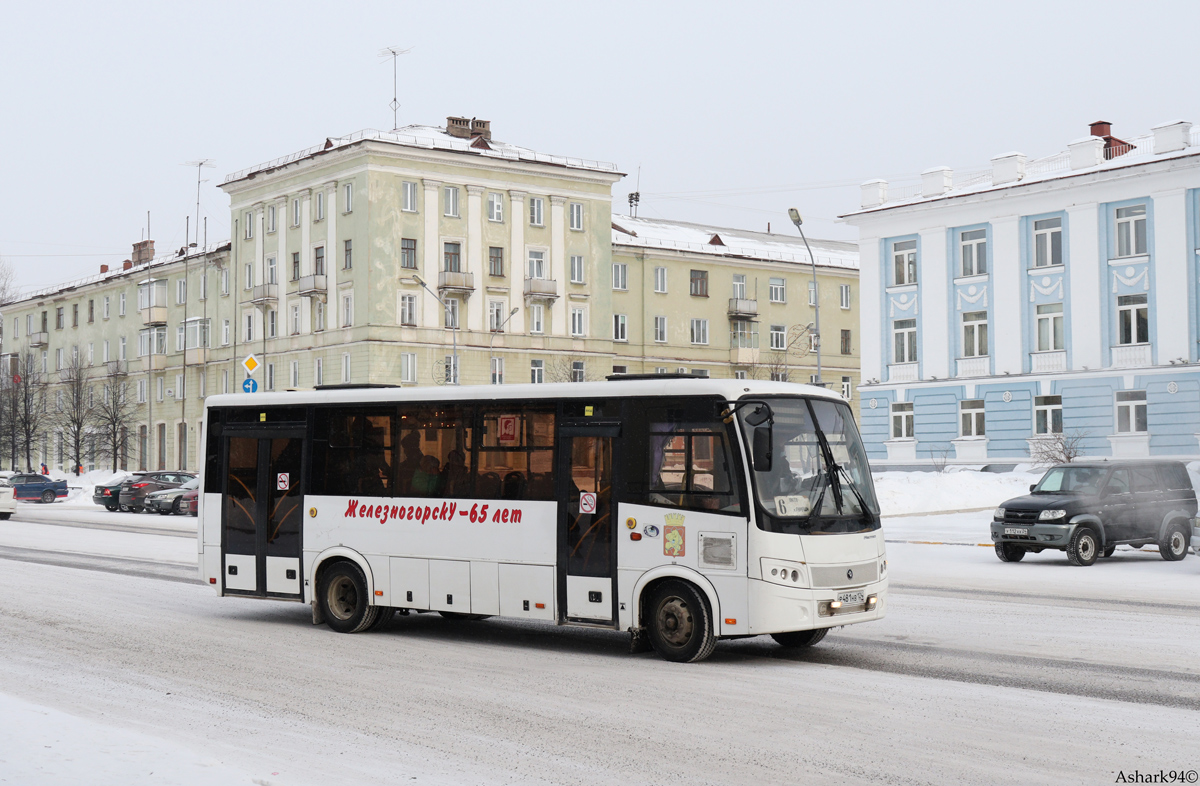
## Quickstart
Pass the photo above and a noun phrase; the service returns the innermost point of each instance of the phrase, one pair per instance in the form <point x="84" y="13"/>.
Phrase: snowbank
<point x="906" y="493"/>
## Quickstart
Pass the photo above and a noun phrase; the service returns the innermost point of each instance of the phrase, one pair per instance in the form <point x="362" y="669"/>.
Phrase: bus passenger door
<point x="263" y="515"/>
<point x="587" y="551"/>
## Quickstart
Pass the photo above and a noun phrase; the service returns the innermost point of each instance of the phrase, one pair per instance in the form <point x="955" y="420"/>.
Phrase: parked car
<point x="189" y="503"/>
<point x="168" y="501"/>
<point x="1089" y="508"/>
<point x="134" y="490"/>
<point x="40" y="487"/>
<point x="8" y="500"/>
<point x="109" y="494"/>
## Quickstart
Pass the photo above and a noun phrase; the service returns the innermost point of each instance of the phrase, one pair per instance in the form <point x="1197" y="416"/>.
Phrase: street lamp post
<point x="794" y="214"/>
<point x="446" y="306"/>
<point x="492" y="341"/>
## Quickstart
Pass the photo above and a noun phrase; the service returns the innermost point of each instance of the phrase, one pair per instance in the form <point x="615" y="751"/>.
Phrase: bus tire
<point x="680" y="622"/>
<point x="385" y="616"/>
<point x="345" y="603"/>
<point x="800" y="638"/>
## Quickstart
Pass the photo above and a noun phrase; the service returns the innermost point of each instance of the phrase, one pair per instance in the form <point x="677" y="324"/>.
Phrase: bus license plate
<point x="852" y="598"/>
<point x="1016" y="530"/>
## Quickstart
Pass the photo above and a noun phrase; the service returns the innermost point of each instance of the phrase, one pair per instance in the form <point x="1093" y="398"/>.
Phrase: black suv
<point x="1090" y="507"/>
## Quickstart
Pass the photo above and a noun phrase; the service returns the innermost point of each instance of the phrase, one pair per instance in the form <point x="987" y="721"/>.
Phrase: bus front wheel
<point x="344" y="599"/>
<point x="680" y="622"/>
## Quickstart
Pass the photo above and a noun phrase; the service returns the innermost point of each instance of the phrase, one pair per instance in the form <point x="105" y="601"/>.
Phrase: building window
<point x="450" y="363"/>
<point x="320" y="317"/>
<point x="179" y="332"/>
<point x="269" y="377"/>
<point x="778" y="290"/>
<point x="496" y="316"/>
<point x="495" y="261"/>
<point x="272" y="274"/>
<point x="904" y="258"/>
<point x="620" y="275"/>
<point x="1133" y="319"/>
<point x="577" y="322"/>
<point x="620" y="369"/>
<point x="495" y="207"/>
<point x="739" y="375"/>
<point x="846" y="348"/>
<point x="660" y="329"/>
<point x="1047" y="242"/>
<point x="699" y="283"/>
<point x="294" y="374"/>
<point x="249" y="282"/>
<point x="452" y="257"/>
<point x="295" y="319"/>
<point x="1050" y="327"/>
<point x="847" y="388"/>
<point x="778" y="336"/>
<point x="537" y="264"/>
<point x="971" y="414"/>
<point x="91" y="311"/>
<point x="320" y="206"/>
<point x="225" y="332"/>
<point x="408" y="367"/>
<point x="270" y="218"/>
<point x="536" y="314"/>
<point x="59" y="321"/>
<point x="973" y="245"/>
<point x="537" y="371"/>
<point x="347" y="255"/>
<point x="319" y="260"/>
<point x="296" y="212"/>
<point x="408" y="253"/>
<point x="904" y="339"/>
<point x="248" y="335"/>
<point x="577" y="216"/>
<point x="1047" y="414"/>
<point x="497" y="371"/>
<point x="345" y="367"/>
<point x="902" y="420"/>
<point x="121" y="304"/>
<point x="141" y="392"/>
<point x="319" y="371"/>
<point x="577" y="371"/>
<point x="160" y="389"/>
<point x="577" y="270"/>
<point x="204" y="285"/>
<point x="660" y="279"/>
<point x="812" y="293"/>
<point x="450" y="202"/>
<point x="845" y="296"/>
<point x="224" y="287"/>
<point x="249" y="218"/>
<point x="1131" y="231"/>
<point x="272" y="326"/>
<point x="699" y="331"/>
<point x="75" y="314"/>
<point x="104" y="308"/>
<point x="408" y="310"/>
<point x="225" y="381"/>
<point x="739" y="286"/>
<point x="975" y="338"/>
<point x="410" y="197"/>
<point x="347" y="309"/>
<point x="348" y="198"/>
<point x="620" y="327"/>
<point x="1131" y="411"/>
<point x="295" y="266"/>
<point x="451" y="320"/>
<point x="535" y="211"/>
<point x="58" y="359"/>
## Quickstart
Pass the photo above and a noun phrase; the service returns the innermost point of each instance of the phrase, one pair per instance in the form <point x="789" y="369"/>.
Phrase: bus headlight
<point x="1051" y="515"/>
<point x="785" y="572"/>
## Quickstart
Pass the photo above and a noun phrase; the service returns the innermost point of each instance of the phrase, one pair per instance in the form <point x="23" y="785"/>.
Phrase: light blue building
<point x="1034" y="300"/>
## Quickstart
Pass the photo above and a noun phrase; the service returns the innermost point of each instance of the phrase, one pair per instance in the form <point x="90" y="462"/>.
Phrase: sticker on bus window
<point x="507" y="430"/>
<point x="793" y="505"/>
<point x="587" y="502"/>
<point x="283" y="481"/>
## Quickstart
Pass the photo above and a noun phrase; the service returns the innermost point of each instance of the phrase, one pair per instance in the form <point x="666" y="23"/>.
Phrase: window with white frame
<point x="576" y="216"/>
<point x="577" y="270"/>
<point x="660" y="329"/>
<point x="904" y="261"/>
<point x="270" y="218"/>
<point x="536" y="317"/>
<point x="408" y="253"/>
<point x="451" y="313"/>
<point x="537" y="371"/>
<point x="902" y="420"/>
<point x="141" y="391"/>
<point x="320" y="206"/>
<point x="1133" y="319"/>
<point x="973" y="247"/>
<point x="1050" y="327"/>
<point x="272" y="323"/>
<point x="345" y="367"/>
<point x="104" y="309"/>
<point x="660" y="280"/>
<point x="249" y="219"/>
<point x="971" y="415"/>
<point x="408" y="366"/>
<point x="496" y="316"/>
<point x="779" y="375"/>
<point x="121" y="305"/>
<point x="495" y="261"/>
<point x="225" y="381"/>
<point x="319" y="260"/>
<point x="347" y="254"/>
<point x="537" y="265"/>
<point x="248" y="333"/>
<point x="249" y="282"/>
<point x="1131" y="231"/>
<point x="348" y="198"/>
<point x="408" y="310"/>
<point x="739" y="375"/>
<point x="700" y="372"/>
<point x="847" y="388"/>
<point x="778" y="337"/>
<point x="204" y="285"/>
<point x="497" y="371"/>
<point x="452" y="257"/>
<point x="450" y="201"/>
<point x="904" y="341"/>
<point x="123" y="348"/>
<point x="1047" y="242"/>
<point x="294" y="374"/>
<point x="347" y="309"/>
<point x="699" y="331"/>
<point x="620" y="276"/>
<point x="1131" y="411"/>
<point x="845" y="295"/>
<point x="319" y="371"/>
<point x="812" y="293"/>
<point x="620" y="327"/>
<point x="319" y="314"/>
<point x="777" y="290"/>
<point x="224" y="287"/>
<point x="495" y="207"/>
<point x="409" y="201"/>
<point x="577" y="371"/>
<point x="296" y="212"/>
<point x="272" y="271"/>
<point x="577" y="322"/>
<point x="106" y="354"/>
<point x="58" y="359"/>
<point x="535" y="211"/>
<point x="225" y="332"/>
<point x="975" y="334"/>
<point x="294" y="311"/>
<point x="160" y="388"/>
<point x="269" y="377"/>
<point x="203" y="384"/>
<point x="1047" y="415"/>
<point x="179" y="338"/>
<point x="450" y="363"/>
<point x="739" y="286"/>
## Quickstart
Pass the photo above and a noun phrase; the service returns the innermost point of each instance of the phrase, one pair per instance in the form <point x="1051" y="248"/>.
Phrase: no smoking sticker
<point x="587" y="502"/>
<point x="283" y="481"/>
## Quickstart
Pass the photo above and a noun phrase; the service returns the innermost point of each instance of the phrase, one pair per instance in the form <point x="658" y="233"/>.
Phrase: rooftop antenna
<point x="635" y="197"/>
<point x="394" y="52"/>
<point x="203" y="163"/>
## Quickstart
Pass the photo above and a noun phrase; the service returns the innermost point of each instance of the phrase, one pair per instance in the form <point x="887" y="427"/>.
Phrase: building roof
<point x="729" y="242"/>
<point x="427" y="138"/>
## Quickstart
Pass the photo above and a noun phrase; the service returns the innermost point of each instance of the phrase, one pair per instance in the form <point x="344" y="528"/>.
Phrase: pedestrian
<point x="44" y="469"/>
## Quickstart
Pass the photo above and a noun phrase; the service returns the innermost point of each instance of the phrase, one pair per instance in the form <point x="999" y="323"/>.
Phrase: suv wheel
<point x="1174" y="546"/>
<point x="1010" y="552"/>
<point x="1083" y="548"/>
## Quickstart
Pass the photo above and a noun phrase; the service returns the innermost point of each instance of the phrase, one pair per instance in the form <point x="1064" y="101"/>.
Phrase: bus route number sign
<point x="507" y="430"/>
<point x="587" y="502"/>
<point x="283" y="481"/>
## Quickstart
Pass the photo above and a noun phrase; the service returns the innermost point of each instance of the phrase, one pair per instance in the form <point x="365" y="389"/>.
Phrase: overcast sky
<point x="733" y="111"/>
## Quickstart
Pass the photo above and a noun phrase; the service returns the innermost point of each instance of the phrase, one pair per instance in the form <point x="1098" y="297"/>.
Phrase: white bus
<point x="682" y="510"/>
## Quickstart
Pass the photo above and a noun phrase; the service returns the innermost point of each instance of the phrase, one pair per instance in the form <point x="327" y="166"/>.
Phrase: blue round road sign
<point x="250" y="386"/>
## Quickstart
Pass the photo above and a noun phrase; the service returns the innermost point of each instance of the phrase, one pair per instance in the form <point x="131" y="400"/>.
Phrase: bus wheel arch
<point x="360" y="580"/>
<point x="667" y="596"/>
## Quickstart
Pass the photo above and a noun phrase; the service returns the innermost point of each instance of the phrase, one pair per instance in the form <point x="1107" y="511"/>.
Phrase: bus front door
<point x="587" y="550"/>
<point x="263" y="515"/>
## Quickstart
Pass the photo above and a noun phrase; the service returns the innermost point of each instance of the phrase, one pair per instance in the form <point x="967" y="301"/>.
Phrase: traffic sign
<point x="250" y="386"/>
<point x="250" y="363"/>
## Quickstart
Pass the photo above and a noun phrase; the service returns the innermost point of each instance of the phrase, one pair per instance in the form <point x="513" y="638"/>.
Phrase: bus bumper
<point x="776" y="608"/>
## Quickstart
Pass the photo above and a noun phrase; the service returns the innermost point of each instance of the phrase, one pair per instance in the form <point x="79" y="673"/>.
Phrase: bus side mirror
<point x="760" y="452"/>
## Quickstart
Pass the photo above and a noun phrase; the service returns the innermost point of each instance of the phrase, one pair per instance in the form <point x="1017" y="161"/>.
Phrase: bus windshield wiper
<point x="831" y="466"/>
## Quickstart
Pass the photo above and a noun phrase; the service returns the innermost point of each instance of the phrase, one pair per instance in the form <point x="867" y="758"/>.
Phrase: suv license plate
<point x="852" y="598"/>
<point x="1016" y="530"/>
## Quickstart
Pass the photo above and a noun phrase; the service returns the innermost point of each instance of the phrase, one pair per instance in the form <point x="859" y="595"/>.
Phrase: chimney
<point x="1169" y="137"/>
<point x="104" y="268"/>
<point x="459" y="127"/>
<point x="936" y="181"/>
<point x="143" y="251"/>
<point x="874" y="193"/>
<point x="1008" y="168"/>
<point x="1101" y="128"/>
<point x="127" y="264"/>
<point x="481" y="128"/>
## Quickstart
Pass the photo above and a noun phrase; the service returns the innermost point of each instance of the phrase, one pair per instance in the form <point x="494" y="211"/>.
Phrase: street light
<point x="794" y="214"/>
<point x="446" y="305"/>
<point x="492" y="341"/>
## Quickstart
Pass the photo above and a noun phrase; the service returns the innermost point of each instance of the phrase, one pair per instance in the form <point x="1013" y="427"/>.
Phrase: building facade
<point x="1034" y="302"/>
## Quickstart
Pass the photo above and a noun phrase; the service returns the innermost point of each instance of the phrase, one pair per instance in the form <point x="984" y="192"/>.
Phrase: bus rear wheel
<point x="344" y="599"/>
<point x="680" y="622"/>
<point x="800" y="638"/>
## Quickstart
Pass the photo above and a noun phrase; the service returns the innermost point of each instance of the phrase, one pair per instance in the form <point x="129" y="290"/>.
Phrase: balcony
<point x="154" y="315"/>
<point x="117" y="368"/>
<point x="975" y="367"/>
<point x="312" y="285"/>
<point x="1044" y="362"/>
<point x="39" y="339"/>
<point x="740" y="308"/>
<point x="743" y="356"/>
<point x="265" y="295"/>
<point x="154" y="362"/>
<point x="902" y="372"/>
<point x="195" y="356"/>
<point x="1131" y="355"/>
<point x="456" y="282"/>
<point x="541" y="289"/>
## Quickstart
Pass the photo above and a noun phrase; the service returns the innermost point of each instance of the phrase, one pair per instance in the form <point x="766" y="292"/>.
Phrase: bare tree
<point x="940" y="457"/>
<point x="74" y="409"/>
<point x="561" y="368"/>
<point x="776" y="364"/>
<point x="114" y="421"/>
<point x="8" y="282"/>
<point x="30" y="416"/>
<point x="1062" y="448"/>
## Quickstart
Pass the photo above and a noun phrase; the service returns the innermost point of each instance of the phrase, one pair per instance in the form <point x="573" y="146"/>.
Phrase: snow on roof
<point x="729" y="242"/>
<point x="428" y="138"/>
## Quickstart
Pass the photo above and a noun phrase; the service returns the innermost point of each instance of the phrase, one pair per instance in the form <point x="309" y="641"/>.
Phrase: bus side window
<point x="353" y="452"/>
<point x="435" y="452"/>
<point x="516" y="453"/>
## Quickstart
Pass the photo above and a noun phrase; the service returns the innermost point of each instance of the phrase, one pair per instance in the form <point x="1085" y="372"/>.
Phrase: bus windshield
<point x="819" y="481"/>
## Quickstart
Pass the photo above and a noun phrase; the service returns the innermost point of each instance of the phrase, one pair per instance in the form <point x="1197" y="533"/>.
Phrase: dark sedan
<point x="135" y="489"/>
<point x="109" y="494"/>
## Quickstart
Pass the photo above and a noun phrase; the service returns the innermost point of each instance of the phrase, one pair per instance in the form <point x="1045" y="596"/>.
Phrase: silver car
<point x="167" y="501"/>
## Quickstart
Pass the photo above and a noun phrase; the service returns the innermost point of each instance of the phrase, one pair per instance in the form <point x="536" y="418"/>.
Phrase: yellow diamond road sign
<point x="250" y="363"/>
